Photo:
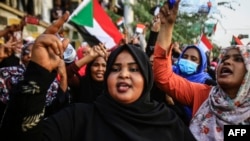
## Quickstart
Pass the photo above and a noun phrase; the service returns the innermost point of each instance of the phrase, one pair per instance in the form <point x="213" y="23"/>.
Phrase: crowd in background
<point x="164" y="75"/>
<point x="50" y="10"/>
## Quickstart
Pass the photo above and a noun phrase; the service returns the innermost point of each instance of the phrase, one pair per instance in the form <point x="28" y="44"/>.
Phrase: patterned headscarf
<point x="219" y="109"/>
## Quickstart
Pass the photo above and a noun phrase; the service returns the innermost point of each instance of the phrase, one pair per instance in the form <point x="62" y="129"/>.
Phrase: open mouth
<point x="99" y="75"/>
<point x="122" y="86"/>
<point x="226" y="71"/>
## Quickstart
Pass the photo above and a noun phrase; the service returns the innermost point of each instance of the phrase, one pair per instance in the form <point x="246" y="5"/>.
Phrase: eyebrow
<point x="131" y="63"/>
<point x="189" y="55"/>
<point x="234" y="55"/>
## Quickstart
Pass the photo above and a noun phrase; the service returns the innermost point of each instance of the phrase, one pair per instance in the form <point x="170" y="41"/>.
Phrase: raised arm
<point x="184" y="91"/>
<point x="167" y="18"/>
<point x="72" y="69"/>
<point x="25" y="109"/>
<point x="155" y="27"/>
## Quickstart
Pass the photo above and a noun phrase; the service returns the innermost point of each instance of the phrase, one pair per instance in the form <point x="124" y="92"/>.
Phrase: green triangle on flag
<point x="236" y="41"/>
<point x="83" y="14"/>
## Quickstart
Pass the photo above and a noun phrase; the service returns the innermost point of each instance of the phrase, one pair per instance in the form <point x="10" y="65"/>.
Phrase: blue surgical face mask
<point x="187" y="67"/>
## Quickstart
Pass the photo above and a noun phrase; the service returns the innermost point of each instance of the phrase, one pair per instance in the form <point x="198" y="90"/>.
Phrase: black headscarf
<point x="89" y="88"/>
<point x="143" y="119"/>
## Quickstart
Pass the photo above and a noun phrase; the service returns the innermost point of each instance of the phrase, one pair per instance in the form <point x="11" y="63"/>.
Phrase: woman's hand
<point x="48" y="48"/>
<point x="98" y="50"/>
<point x="8" y="48"/>
<point x="167" y="18"/>
<point x="156" y="24"/>
<point x="167" y="15"/>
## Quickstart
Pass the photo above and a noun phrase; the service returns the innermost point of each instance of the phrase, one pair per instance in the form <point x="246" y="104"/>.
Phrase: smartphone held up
<point x="171" y="3"/>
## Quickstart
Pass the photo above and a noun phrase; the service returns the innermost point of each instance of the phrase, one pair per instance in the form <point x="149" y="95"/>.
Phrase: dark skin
<point x="12" y="28"/>
<point x="48" y="48"/>
<point x="7" y="48"/>
<point x="167" y="18"/>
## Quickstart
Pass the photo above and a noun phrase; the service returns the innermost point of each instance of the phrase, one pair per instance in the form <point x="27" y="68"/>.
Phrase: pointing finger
<point x="55" y="27"/>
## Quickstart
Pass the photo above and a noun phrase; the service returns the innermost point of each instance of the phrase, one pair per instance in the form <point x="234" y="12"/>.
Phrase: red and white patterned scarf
<point x="219" y="110"/>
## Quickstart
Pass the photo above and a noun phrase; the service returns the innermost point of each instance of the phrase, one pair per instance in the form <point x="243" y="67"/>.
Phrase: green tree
<point x="187" y="29"/>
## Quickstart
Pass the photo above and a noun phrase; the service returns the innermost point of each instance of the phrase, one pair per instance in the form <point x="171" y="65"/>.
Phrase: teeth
<point x="123" y="85"/>
<point x="99" y="75"/>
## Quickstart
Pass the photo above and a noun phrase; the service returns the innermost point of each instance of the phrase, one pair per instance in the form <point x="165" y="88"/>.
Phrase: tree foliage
<point x="187" y="29"/>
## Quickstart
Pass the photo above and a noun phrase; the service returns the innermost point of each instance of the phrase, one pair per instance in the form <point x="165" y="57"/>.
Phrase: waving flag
<point x="83" y="15"/>
<point x="140" y="28"/>
<point x="94" y="24"/>
<point x="120" y="21"/>
<point x="236" y="41"/>
<point x="205" y="43"/>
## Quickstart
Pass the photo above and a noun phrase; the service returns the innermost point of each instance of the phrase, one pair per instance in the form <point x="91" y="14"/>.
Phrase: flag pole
<point x="199" y="41"/>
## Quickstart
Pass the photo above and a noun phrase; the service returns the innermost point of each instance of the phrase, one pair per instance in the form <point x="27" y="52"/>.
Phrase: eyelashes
<point x="118" y="69"/>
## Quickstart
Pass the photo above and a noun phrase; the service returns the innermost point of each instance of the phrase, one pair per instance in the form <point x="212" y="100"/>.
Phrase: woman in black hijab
<point x="123" y="113"/>
<point x="141" y="119"/>
<point x="90" y="85"/>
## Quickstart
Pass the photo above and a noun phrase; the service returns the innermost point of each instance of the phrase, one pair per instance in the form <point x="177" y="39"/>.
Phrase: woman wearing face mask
<point x="192" y="65"/>
<point x="213" y="106"/>
<point x="123" y="113"/>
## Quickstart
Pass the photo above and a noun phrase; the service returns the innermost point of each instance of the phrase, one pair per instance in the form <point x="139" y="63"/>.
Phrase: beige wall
<point x="13" y="16"/>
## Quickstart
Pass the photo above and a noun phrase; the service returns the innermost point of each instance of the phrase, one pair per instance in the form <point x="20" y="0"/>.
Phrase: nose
<point x="124" y="73"/>
<point x="228" y="61"/>
<point x="101" y="68"/>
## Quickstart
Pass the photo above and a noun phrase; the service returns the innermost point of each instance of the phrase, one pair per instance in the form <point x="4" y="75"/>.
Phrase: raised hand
<point x="168" y="15"/>
<point x="7" y="48"/>
<point x="156" y="23"/>
<point x="98" y="50"/>
<point x="10" y="43"/>
<point x="48" y="47"/>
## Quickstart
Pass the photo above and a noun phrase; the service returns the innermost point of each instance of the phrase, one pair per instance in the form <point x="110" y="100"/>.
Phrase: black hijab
<point x="143" y="119"/>
<point x="89" y="88"/>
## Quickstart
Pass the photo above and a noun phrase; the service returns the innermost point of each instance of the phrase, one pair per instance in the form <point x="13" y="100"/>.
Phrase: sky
<point x="231" y="21"/>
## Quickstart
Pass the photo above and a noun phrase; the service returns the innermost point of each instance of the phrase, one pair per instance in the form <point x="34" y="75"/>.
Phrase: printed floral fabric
<point x="10" y="76"/>
<point x="219" y="110"/>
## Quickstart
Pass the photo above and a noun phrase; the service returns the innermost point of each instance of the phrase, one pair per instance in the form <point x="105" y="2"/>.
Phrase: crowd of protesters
<point x="50" y="10"/>
<point x="140" y="90"/>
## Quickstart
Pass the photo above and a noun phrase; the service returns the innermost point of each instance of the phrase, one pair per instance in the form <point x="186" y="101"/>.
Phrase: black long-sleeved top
<point x="103" y="120"/>
<point x="151" y="42"/>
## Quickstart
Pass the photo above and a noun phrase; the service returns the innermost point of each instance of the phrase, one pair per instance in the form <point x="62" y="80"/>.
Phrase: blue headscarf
<point x="200" y="76"/>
